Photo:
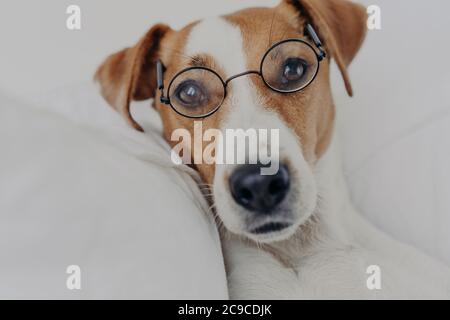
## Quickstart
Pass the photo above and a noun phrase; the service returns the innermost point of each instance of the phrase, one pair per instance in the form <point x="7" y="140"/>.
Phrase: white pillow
<point x="396" y="131"/>
<point x="107" y="200"/>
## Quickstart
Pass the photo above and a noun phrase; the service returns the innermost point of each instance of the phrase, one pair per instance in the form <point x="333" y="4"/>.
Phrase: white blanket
<point x="103" y="198"/>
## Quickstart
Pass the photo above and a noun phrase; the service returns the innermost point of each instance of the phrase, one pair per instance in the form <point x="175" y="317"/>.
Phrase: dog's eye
<point x="190" y="93"/>
<point x="290" y="66"/>
<point x="293" y="70"/>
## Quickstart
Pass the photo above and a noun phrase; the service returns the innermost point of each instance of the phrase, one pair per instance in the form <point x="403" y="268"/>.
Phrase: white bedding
<point x="102" y="198"/>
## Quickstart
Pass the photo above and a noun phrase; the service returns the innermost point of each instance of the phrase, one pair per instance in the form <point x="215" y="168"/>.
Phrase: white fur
<point x="248" y="111"/>
<point x="334" y="263"/>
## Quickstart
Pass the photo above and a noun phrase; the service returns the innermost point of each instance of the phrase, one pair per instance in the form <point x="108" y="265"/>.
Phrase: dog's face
<point x="262" y="208"/>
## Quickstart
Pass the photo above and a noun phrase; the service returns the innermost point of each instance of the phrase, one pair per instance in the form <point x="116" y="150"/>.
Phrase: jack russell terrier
<point x="294" y="234"/>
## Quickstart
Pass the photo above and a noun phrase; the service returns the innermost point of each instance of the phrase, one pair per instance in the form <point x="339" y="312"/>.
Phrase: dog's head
<point x="264" y="208"/>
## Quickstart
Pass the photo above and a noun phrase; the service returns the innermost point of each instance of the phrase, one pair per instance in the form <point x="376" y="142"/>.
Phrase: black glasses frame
<point x="309" y="30"/>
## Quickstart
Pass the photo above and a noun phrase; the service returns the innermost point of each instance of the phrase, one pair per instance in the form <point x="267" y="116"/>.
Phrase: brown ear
<point x="341" y="25"/>
<point x="130" y="74"/>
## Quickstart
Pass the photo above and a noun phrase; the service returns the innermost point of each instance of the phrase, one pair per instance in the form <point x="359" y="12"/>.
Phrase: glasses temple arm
<point x="160" y="81"/>
<point x="312" y="33"/>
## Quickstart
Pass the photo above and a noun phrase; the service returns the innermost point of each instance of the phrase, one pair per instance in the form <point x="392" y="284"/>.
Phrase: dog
<point x="295" y="234"/>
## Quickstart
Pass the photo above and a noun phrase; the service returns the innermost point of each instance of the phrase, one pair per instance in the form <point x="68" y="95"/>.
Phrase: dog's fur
<point x="329" y="247"/>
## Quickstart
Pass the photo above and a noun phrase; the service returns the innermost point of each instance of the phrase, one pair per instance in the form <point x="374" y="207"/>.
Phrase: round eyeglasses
<point x="288" y="66"/>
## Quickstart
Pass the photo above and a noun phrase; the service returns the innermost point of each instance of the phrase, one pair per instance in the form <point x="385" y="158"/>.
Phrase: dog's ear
<point x="130" y="74"/>
<point x="341" y="25"/>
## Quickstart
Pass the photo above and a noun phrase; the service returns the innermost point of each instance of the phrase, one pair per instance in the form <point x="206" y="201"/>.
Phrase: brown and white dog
<point x="313" y="244"/>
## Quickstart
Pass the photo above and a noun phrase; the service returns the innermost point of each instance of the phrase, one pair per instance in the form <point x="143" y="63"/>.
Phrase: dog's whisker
<point x="205" y="186"/>
<point x="271" y="27"/>
<point x="211" y="208"/>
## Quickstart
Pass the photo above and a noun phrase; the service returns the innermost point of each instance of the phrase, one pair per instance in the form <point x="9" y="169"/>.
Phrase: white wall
<point x="39" y="54"/>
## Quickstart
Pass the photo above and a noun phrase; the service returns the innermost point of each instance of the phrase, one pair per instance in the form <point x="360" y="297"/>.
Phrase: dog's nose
<point x="256" y="192"/>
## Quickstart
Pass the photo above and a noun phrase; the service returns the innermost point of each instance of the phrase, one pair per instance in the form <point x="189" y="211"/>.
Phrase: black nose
<point x="256" y="192"/>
